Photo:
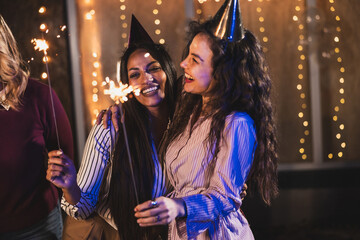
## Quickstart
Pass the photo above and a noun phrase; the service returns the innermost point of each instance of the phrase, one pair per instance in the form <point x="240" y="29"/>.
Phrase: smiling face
<point x="198" y="66"/>
<point x="145" y="73"/>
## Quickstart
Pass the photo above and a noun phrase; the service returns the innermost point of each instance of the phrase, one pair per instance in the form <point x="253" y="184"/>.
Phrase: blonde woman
<point x="29" y="205"/>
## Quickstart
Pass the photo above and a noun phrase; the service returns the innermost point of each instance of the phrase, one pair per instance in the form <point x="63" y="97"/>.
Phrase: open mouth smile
<point x="188" y="78"/>
<point x="149" y="90"/>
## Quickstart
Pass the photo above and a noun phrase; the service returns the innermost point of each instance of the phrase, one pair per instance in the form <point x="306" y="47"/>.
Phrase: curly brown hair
<point x="241" y="83"/>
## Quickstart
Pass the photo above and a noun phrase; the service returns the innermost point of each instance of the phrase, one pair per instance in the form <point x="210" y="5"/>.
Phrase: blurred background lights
<point x="42" y="10"/>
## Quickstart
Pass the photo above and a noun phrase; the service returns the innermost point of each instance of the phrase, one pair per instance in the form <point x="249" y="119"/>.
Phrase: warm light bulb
<point x="42" y="10"/>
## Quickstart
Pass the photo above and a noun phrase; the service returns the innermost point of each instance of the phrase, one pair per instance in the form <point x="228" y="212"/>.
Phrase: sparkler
<point x="41" y="45"/>
<point x="119" y="95"/>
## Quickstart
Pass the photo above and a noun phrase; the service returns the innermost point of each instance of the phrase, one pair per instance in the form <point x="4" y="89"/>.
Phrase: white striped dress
<point x="95" y="164"/>
<point x="212" y="194"/>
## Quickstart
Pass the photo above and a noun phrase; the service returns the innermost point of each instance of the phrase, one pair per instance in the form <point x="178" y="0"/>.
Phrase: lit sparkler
<point x="119" y="95"/>
<point x="41" y="45"/>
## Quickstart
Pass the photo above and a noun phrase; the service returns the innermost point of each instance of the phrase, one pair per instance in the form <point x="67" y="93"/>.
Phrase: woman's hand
<point x="113" y="114"/>
<point x="62" y="173"/>
<point x="160" y="211"/>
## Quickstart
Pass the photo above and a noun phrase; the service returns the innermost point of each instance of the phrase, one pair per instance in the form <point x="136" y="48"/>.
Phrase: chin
<point x="153" y="103"/>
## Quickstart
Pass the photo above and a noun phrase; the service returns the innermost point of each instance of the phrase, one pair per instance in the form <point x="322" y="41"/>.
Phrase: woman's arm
<point x="95" y="159"/>
<point x="222" y="195"/>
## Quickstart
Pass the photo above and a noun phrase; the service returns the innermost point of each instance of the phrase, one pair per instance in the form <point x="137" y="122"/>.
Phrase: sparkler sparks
<point x="119" y="94"/>
<point x="40" y="44"/>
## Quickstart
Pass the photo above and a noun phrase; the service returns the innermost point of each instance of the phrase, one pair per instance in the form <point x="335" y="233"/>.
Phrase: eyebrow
<point x="195" y="55"/>
<point x="149" y="64"/>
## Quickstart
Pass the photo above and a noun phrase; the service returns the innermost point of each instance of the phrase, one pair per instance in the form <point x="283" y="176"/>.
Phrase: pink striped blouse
<point x="212" y="193"/>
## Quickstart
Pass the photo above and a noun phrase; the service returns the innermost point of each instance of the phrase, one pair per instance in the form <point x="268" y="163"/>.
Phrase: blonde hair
<point x="14" y="72"/>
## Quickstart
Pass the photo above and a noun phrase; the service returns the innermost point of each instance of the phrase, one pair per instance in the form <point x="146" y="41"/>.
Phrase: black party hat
<point x="227" y="22"/>
<point x="138" y="33"/>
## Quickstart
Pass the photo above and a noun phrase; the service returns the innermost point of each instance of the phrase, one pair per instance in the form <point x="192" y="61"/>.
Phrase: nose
<point x="148" y="77"/>
<point x="183" y="64"/>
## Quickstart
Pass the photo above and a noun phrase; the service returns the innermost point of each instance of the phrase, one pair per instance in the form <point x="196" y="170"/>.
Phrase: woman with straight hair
<point x="104" y="189"/>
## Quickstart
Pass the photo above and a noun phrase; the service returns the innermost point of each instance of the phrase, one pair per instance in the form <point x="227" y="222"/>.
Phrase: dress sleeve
<point x="91" y="173"/>
<point x="222" y="196"/>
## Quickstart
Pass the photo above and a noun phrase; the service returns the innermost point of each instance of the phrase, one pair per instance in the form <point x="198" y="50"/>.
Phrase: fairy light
<point x="198" y="9"/>
<point x="336" y="118"/>
<point x="157" y="21"/>
<point x="42" y="10"/>
<point x="262" y="31"/>
<point x="94" y="67"/>
<point x="44" y="75"/>
<point x="43" y="27"/>
<point x="124" y="25"/>
<point x="297" y="19"/>
<point x="96" y="64"/>
<point x="89" y="15"/>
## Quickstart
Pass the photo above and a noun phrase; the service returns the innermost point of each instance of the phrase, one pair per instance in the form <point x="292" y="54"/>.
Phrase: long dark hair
<point x="122" y="195"/>
<point x="241" y="83"/>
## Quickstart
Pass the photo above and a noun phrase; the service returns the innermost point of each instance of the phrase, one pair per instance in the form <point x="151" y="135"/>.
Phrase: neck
<point x="159" y="117"/>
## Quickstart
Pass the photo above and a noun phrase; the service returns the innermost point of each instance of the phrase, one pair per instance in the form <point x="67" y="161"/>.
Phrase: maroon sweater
<point x="26" y="196"/>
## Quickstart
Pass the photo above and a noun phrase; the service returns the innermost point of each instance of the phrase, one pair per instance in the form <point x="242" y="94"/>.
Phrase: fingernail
<point x="59" y="152"/>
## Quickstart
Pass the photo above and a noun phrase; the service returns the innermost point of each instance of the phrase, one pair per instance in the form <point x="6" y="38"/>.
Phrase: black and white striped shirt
<point x="96" y="162"/>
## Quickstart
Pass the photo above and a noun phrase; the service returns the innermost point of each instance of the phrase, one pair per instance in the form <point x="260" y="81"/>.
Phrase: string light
<point x="43" y="27"/>
<point x="157" y="21"/>
<point x="262" y="30"/>
<point x="94" y="68"/>
<point x="124" y="35"/>
<point x="336" y="116"/>
<point x="42" y="10"/>
<point x="44" y="75"/>
<point x="297" y="16"/>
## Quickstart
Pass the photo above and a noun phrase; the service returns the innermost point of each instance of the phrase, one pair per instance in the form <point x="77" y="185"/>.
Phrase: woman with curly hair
<point x="29" y="204"/>
<point x="221" y="136"/>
